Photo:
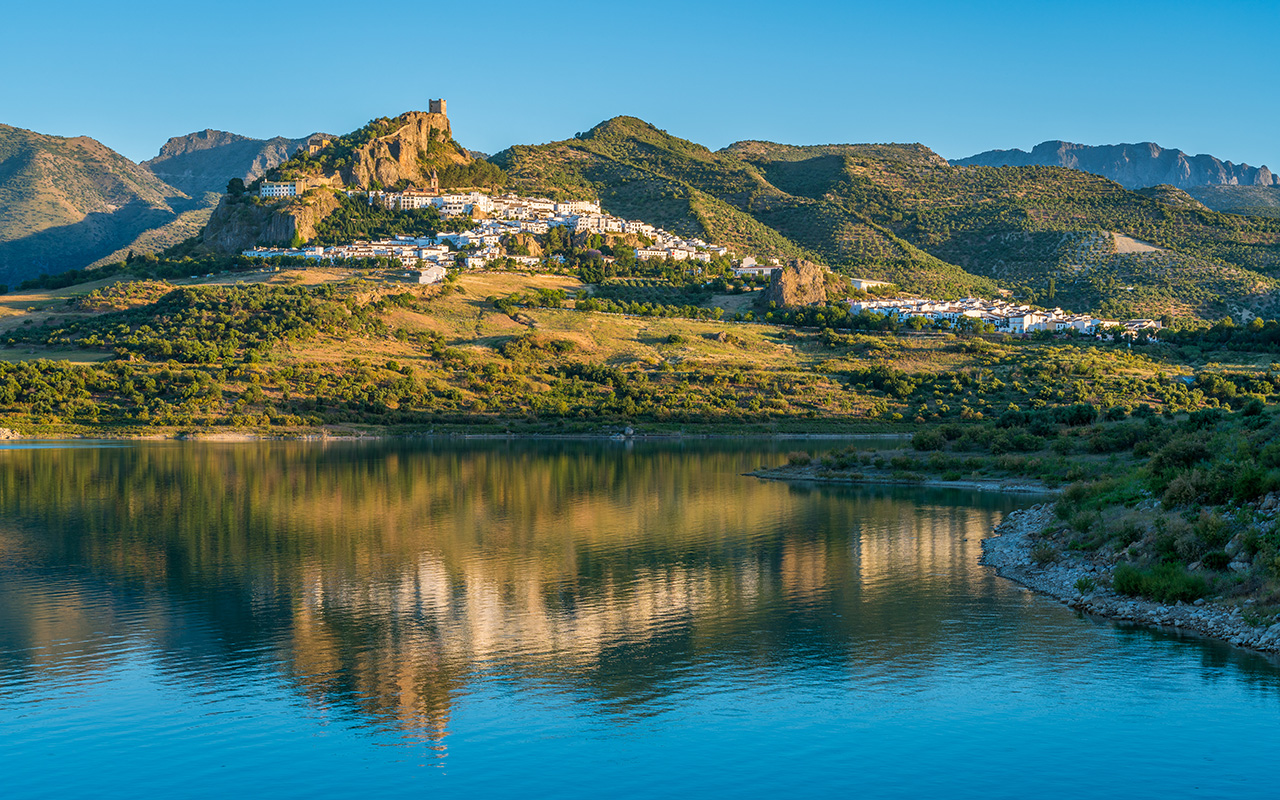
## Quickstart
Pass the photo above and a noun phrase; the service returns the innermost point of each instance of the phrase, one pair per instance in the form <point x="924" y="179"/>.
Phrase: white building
<point x="276" y="189"/>
<point x="432" y="274"/>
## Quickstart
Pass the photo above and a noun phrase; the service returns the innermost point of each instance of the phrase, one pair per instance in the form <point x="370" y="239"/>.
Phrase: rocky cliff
<point x="237" y="225"/>
<point x="800" y="283"/>
<point x="384" y="153"/>
<point x="1130" y="165"/>
<point x="423" y="142"/>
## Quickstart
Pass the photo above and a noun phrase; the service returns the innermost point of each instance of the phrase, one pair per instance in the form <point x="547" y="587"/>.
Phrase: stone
<point x="800" y="283"/>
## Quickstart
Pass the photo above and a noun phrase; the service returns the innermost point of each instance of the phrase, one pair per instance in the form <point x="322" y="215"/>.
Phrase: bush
<point x="932" y="439"/>
<point x="798" y="459"/>
<point x="1043" y="553"/>
<point x="1165" y="583"/>
<point x="1216" y="560"/>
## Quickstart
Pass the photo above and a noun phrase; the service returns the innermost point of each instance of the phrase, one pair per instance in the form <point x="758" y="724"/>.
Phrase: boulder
<point x="800" y="283"/>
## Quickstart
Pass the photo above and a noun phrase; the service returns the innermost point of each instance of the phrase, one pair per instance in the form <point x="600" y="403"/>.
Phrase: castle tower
<point x="437" y="107"/>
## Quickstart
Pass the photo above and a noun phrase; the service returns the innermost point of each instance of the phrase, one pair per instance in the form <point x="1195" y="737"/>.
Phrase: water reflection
<point x="387" y="581"/>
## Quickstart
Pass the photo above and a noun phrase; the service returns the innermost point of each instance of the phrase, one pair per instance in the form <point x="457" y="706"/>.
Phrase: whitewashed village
<point x="1002" y="316"/>
<point x="495" y="220"/>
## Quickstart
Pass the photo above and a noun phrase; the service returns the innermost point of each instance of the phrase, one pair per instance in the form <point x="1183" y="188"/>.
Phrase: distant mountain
<point x="1133" y="166"/>
<point x="206" y="160"/>
<point x="66" y="203"/>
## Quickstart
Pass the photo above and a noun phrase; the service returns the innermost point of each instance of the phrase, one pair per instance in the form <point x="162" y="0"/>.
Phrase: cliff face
<point x="206" y="160"/>
<point x="237" y="226"/>
<point x="1130" y="165"/>
<point x="800" y="283"/>
<point x="418" y="143"/>
<point x="424" y="141"/>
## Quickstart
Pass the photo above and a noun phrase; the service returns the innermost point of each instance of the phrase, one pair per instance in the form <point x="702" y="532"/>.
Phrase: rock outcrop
<point x="800" y="283"/>
<point x="1131" y="165"/>
<point x="236" y="226"/>
<point x="423" y="141"/>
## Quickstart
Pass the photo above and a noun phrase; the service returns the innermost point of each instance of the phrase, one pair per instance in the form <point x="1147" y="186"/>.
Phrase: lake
<point x="568" y="619"/>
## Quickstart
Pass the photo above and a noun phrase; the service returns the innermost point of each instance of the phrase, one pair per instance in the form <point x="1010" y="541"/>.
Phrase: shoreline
<point x="13" y="437"/>
<point x="814" y="474"/>
<point x="1008" y="552"/>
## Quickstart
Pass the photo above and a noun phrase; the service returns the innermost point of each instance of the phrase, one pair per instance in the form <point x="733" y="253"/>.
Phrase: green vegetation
<point x="355" y="219"/>
<point x="900" y="213"/>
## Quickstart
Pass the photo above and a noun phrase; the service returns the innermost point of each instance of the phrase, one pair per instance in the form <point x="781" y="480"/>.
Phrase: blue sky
<point x="961" y="77"/>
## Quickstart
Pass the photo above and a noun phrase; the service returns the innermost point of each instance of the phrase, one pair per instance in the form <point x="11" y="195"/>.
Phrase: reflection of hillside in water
<point x="387" y="579"/>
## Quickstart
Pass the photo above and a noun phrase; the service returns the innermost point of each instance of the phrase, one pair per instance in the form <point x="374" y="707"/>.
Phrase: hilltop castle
<point x="437" y="107"/>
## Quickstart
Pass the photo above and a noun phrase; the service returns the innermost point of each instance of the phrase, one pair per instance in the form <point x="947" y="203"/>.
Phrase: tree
<point x="235" y="187"/>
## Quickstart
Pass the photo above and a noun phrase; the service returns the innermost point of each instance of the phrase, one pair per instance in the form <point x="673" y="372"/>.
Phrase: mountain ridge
<point x="1133" y="166"/>
<point x="203" y="161"/>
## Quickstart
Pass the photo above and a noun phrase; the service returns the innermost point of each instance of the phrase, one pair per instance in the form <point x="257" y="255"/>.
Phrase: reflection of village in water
<point x="388" y="580"/>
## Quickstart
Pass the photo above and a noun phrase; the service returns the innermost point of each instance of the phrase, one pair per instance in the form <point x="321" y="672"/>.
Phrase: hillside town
<point x="497" y="220"/>
<point x="1002" y="316"/>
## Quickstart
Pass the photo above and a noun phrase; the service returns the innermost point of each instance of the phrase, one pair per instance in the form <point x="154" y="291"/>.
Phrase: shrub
<point x="1043" y="553"/>
<point x="799" y="459"/>
<point x="1085" y="585"/>
<point x="929" y="440"/>
<point x="1165" y="583"/>
<point x="1216" y="560"/>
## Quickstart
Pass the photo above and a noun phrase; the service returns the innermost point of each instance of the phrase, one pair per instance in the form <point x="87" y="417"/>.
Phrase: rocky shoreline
<point x="1009" y="552"/>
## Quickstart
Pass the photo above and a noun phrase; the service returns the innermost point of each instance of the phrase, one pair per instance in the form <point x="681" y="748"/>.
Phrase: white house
<point x="432" y="274"/>
<point x="274" y="189"/>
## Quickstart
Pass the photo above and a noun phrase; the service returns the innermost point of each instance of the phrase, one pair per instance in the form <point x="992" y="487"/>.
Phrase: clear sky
<point x="961" y="77"/>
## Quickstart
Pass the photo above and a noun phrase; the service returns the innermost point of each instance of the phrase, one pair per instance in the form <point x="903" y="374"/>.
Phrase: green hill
<point x="1261" y="201"/>
<point x="68" y="202"/>
<point x="900" y="212"/>
<point x="641" y="172"/>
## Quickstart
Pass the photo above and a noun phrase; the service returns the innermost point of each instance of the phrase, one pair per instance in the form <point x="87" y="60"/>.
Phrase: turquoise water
<point x="569" y="620"/>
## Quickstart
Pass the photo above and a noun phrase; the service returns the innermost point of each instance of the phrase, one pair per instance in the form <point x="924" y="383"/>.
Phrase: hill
<point x="641" y="172"/>
<point x="1258" y="201"/>
<point x="390" y="153"/>
<point x="901" y="213"/>
<point x="69" y="202"/>
<point x="72" y="203"/>
<point x="204" y="161"/>
<point x="1132" y="166"/>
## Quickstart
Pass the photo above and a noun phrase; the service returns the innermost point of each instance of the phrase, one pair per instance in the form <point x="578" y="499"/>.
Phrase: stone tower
<point x="437" y="107"/>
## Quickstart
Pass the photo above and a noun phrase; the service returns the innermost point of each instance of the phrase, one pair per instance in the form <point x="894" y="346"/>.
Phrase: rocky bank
<point x="1010" y="553"/>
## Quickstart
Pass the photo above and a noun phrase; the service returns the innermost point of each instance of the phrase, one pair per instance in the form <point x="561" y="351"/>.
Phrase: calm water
<point x="568" y="620"/>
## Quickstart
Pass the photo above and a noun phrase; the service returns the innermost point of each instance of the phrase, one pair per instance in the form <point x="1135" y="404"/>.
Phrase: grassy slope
<point x="1025" y="225"/>
<point x="899" y="212"/>
<point x="641" y="172"/>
